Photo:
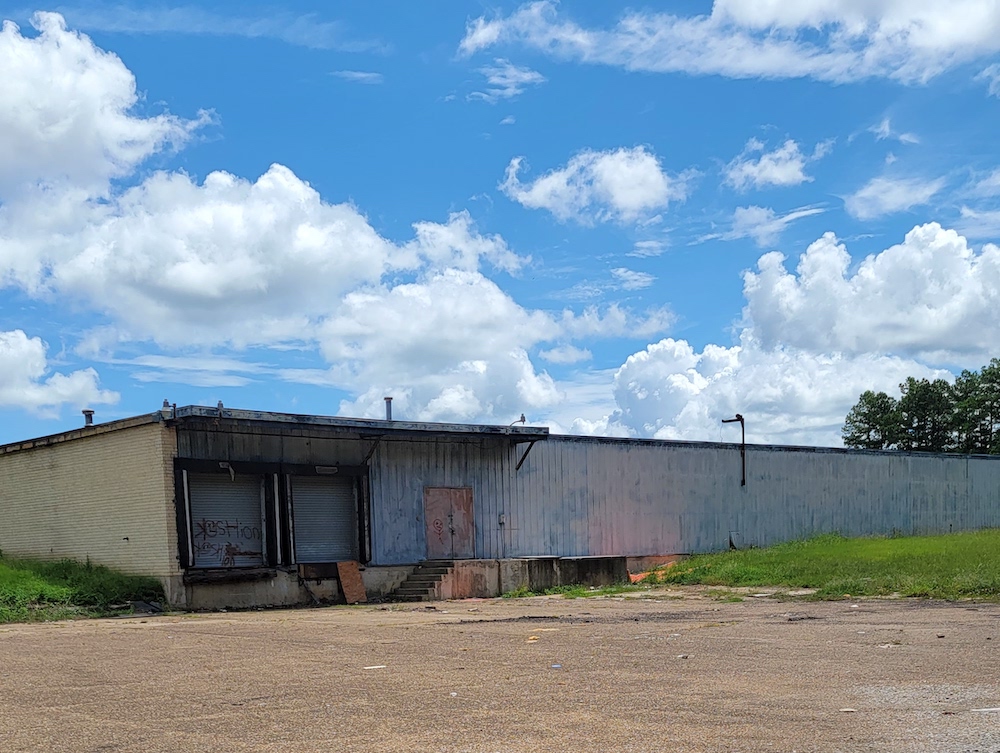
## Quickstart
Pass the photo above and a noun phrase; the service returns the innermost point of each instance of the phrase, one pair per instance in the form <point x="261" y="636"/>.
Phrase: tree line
<point x="931" y="416"/>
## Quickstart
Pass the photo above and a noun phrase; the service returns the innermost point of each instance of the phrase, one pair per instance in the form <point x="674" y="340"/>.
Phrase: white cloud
<point x="828" y="40"/>
<point x="27" y="384"/>
<point x="506" y="81"/>
<point x="305" y="30"/>
<point x="930" y="297"/>
<point x="669" y="390"/>
<point x="616" y="321"/>
<point x="882" y="196"/>
<point x="647" y="248"/>
<point x="762" y="224"/>
<point x="623" y="185"/>
<point x="989" y="185"/>
<point x="565" y="354"/>
<point x="884" y="131"/>
<point x="785" y="166"/>
<point x="228" y="261"/>
<point x="403" y="341"/>
<point x="629" y="279"/>
<point x="359" y="77"/>
<point x="812" y="341"/>
<point x="980" y="223"/>
<point x="198" y="370"/>
<point x="991" y="75"/>
<point x="509" y="120"/>
<point x="171" y="260"/>
<point x="67" y="112"/>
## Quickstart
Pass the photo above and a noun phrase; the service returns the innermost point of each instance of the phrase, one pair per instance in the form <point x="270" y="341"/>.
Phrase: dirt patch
<point x="684" y="673"/>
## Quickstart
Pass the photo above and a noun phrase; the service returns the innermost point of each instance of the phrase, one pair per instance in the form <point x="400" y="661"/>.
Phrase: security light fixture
<point x="743" y="444"/>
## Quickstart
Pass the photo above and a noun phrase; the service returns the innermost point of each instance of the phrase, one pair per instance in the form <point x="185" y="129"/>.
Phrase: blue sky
<point x="629" y="222"/>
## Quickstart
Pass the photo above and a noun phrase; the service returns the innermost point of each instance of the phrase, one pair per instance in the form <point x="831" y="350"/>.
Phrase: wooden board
<point x="351" y="583"/>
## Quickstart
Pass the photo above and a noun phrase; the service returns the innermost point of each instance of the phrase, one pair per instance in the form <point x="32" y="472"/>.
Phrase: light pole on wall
<point x="743" y="444"/>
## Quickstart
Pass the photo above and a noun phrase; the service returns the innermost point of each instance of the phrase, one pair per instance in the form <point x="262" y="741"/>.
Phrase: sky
<point x="625" y="222"/>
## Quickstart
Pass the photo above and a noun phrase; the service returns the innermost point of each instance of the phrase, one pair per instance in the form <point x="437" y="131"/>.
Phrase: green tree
<point x="969" y="422"/>
<point x="926" y="414"/>
<point x="976" y="419"/>
<point x="931" y="416"/>
<point x="873" y="423"/>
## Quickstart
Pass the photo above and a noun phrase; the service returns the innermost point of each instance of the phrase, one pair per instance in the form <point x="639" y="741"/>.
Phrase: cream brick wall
<point x="107" y="496"/>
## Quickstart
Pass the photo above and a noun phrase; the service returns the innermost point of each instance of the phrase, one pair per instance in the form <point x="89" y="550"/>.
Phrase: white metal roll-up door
<point x="226" y="520"/>
<point x="326" y="528"/>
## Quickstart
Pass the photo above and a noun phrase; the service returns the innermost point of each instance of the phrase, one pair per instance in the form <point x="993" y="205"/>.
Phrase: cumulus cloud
<point x="217" y="265"/>
<point x="930" y="297"/>
<point x="404" y="341"/>
<point x="828" y="40"/>
<point x="621" y="185"/>
<point x="27" y="383"/>
<point x="506" y="81"/>
<point x="882" y="196"/>
<point x="565" y="354"/>
<point x="670" y="390"/>
<point x="68" y="112"/>
<point x="784" y="166"/>
<point x="811" y="341"/>
<point x="227" y="261"/>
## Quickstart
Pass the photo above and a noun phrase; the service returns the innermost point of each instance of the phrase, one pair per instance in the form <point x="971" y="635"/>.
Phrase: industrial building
<point x="244" y="508"/>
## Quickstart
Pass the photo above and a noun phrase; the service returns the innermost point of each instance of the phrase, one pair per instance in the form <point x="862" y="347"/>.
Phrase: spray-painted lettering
<point x="224" y="542"/>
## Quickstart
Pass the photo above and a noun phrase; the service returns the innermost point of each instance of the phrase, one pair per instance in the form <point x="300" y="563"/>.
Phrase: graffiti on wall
<point x="227" y="543"/>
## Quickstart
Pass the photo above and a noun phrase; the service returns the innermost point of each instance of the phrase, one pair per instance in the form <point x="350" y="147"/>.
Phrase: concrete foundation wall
<point x="281" y="588"/>
<point x="487" y="578"/>
<point x="381" y="581"/>
<point x="107" y="496"/>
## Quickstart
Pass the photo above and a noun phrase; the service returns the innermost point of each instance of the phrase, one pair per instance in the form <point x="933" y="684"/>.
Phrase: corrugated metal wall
<point x="401" y="470"/>
<point x="265" y="445"/>
<point x="579" y="496"/>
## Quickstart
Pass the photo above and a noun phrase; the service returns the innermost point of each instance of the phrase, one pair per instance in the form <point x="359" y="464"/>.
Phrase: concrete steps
<point x="420" y="584"/>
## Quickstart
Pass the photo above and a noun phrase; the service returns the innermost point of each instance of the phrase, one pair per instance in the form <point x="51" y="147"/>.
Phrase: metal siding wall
<point x="582" y="496"/>
<point x="401" y="470"/>
<point x="256" y="446"/>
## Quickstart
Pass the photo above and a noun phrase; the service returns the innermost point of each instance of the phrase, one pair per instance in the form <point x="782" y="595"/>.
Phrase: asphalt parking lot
<point x="677" y="672"/>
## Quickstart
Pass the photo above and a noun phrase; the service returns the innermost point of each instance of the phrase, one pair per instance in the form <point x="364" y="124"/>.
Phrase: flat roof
<point x="362" y="426"/>
<point x="366" y="426"/>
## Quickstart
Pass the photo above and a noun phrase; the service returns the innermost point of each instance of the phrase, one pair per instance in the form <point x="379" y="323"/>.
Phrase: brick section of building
<point x="106" y="494"/>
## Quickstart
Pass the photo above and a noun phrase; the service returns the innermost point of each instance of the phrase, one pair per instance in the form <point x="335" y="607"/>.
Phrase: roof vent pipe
<point x="388" y="409"/>
<point x="88" y="417"/>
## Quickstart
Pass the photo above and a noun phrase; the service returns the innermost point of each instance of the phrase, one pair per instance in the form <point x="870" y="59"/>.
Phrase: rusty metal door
<point x="451" y="527"/>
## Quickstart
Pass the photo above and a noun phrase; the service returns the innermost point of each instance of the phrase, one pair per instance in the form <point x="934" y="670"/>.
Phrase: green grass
<point x="33" y="590"/>
<point x="954" y="566"/>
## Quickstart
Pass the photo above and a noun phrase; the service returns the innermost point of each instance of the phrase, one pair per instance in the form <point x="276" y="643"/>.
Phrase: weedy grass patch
<point x="952" y="566"/>
<point x="33" y="590"/>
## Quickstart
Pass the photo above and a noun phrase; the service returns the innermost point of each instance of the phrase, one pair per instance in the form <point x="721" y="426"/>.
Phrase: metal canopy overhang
<point x="368" y="428"/>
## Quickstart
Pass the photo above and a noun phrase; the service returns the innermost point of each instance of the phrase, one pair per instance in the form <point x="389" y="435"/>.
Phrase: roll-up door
<point x="226" y="520"/>
<point x="326" y="528"/>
